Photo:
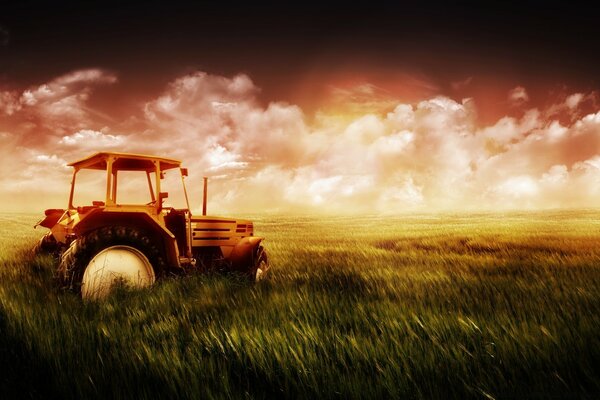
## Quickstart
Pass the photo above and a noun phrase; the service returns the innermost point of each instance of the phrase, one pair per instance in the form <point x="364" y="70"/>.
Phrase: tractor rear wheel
<point x="261" y="265"/>
<point x="95" y="261"/>
<point x="115" y="264"/>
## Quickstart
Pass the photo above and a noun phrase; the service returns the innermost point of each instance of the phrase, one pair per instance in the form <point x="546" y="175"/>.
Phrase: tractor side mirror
<point x="184" y="172"/>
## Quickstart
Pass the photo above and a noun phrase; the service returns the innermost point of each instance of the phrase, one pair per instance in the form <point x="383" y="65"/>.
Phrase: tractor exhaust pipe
<point x="204" y="196"/>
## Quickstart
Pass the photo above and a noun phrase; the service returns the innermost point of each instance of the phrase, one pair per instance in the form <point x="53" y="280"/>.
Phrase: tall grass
<point x="429" y="306"/>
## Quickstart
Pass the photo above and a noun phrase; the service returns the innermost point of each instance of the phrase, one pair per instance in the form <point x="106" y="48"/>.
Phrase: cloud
<point x="32" y="180"/>
<point x="461" y="84"/>
<point x="87" y="139"/>
<point x="404" y="195"/>
<point x="222" y="159"/>
<point x="573" y="100"/>
<point x="361" y="98"/>
<point x="429" y="155"/>
<point x="58" y="106"/>
<point x="518" y="96"/>
<point x="9" y="102"/>
<point x="74" y="85"/>
<point x="518" y="187"/>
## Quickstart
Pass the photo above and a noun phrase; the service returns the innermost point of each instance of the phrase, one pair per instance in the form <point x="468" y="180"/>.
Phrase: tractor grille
<point x="215" y="230"/>
<point x="244" y="228"/>
<point x="210" y="230"/>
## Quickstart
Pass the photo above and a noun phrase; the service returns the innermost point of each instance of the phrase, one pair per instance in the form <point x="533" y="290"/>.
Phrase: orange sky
<point x="363" y="144"/>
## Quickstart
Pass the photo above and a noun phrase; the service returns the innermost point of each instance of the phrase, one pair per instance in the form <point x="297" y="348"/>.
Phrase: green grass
<point x="429" y="306"/>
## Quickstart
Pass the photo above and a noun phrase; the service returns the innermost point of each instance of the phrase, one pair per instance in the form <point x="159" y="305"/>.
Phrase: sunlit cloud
<point x="518" y="96"/>
<point x="87" y="139"/>
<point x="54" y="108"/>
<point x="388" y="157"/>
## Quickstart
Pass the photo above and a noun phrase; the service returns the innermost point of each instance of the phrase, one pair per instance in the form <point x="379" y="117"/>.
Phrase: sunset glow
<point x="432" y="154"/>
<point x="329" y="109"/>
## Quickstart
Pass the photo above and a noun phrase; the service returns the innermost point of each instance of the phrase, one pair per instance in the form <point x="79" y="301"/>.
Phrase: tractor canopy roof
<point x="125" y="162"/>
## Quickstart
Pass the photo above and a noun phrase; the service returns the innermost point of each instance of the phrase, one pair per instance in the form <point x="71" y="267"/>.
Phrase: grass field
<point x="429" y="306"/>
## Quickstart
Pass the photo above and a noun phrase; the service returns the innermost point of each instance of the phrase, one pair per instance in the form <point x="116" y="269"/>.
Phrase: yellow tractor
<point x="110" y="241"/>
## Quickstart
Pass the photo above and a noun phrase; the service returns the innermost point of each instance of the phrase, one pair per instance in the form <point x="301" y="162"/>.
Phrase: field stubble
<point x="428" y="306"/>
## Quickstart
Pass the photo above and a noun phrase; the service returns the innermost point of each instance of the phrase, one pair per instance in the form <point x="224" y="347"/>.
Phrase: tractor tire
<point x="46" y="245"/>
<point x="260" y="267"/>
<point x="76" y="258"/>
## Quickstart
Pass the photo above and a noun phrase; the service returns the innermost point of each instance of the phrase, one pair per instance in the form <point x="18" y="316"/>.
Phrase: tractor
<point x="111" y="241"/>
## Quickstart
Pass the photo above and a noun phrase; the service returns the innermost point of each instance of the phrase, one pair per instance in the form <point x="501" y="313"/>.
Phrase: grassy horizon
<point x="482" y="305"/>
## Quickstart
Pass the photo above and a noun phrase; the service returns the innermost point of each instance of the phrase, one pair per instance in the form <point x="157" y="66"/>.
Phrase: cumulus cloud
<point x="58" y="106"/>
<point x="87" y="139"/>
<point x="428" y="155"/>
<point x="62" y="101"/>
<point x="222" y="159"/>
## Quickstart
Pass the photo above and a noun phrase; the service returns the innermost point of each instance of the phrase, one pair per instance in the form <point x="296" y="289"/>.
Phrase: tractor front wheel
<point x="259" y="270"/>
<point x="46" y="245"/>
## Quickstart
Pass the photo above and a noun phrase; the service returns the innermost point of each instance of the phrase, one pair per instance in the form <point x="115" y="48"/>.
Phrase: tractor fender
<point x="242" y="255"/>
<point x="53" y="215"/>
<point x="98" y="218"/>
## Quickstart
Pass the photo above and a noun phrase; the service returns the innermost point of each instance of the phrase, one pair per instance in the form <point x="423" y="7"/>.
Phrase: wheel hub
<point x="116" y="264"/>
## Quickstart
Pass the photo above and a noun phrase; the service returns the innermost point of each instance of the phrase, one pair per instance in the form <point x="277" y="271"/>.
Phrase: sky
<point x="369" y="107"/>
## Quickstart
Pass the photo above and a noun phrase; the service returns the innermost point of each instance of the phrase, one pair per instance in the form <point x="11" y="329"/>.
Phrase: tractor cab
<point x="151" y="169"/>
